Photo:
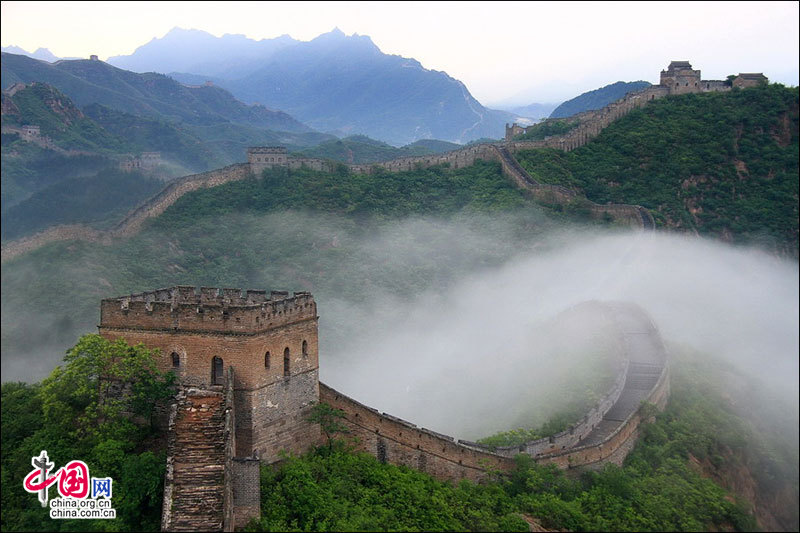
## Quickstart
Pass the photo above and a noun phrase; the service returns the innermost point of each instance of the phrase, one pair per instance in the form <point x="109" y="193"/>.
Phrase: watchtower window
<point x="286" y="363"/>
<point x="305" y="349"/>
<point x="266" y="360"/>
<point x="216" y="371"/>
<point x="176" y="360"/>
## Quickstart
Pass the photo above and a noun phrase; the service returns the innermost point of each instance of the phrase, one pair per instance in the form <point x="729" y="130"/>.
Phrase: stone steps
<point x="198" y="453"/>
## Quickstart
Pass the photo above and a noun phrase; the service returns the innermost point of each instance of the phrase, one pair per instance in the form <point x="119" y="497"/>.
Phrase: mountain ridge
<point x="345" y="84"/>
<point x="597" y="98"/>
<point x="87" y="82"/>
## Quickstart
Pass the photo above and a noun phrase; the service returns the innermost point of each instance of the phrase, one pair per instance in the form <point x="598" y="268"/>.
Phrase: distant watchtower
<point x="270" y="339"/>
<point x="31" y="132"/>
<point x="680" y="78"/>
<point x="261" y="157"/>
<point x="749" y="79"/>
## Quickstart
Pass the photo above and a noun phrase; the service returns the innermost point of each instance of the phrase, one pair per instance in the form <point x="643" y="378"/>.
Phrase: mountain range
<point x="150" y="94"/>
<point x="334" y="83"/>
<point x="338" y="84"/>
<point x="597" y="98"/>
<point x="41" y="53"/>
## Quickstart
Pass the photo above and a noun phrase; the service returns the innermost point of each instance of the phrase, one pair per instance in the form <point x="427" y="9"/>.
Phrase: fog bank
<point x="442" y="358"/>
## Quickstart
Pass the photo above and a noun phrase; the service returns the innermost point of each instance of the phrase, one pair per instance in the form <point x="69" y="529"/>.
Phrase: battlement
<point x="266" y="150"/>
<point x="261" y="157"/>
<point x="206" y="309"/>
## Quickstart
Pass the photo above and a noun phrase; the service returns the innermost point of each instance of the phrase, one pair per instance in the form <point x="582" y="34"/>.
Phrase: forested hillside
<point x="60" y="167"/>
<point x="358" y="149"/>
<point x="150" y="94"/>
<point x="720" y="164"/>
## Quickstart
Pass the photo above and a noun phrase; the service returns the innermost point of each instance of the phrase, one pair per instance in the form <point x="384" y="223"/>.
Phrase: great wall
<point x="248" y="361"/>
<point x="678" y="78"/>
<point x="248" y="366"/>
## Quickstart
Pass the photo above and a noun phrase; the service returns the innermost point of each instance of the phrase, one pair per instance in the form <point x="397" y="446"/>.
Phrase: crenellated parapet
<point x="206" y="309"/>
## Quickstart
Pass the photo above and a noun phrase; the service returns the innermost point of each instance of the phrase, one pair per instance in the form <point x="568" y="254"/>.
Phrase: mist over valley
<point x="573" y="315"/>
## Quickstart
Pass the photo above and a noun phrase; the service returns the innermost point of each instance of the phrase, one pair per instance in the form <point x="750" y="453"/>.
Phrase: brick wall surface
<point x="246" y="490"/>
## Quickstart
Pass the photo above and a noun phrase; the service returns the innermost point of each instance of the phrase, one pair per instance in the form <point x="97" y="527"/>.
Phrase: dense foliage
<point x="657" y="489"/>
<point x="724" y="164"/>
<point x="343" y="491"/>
<point x="548" y="128"/>
<point x="75" y="414"/>
<point x="382" y="194"/>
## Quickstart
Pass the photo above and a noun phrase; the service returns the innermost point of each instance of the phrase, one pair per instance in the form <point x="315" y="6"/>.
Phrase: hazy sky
<point x="526" y="52"/>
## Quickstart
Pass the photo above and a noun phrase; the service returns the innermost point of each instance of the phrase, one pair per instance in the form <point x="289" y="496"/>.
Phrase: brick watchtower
<point x="680" y="78"/>
<point x="261" y="157"/>
<point x="270" y="339"/>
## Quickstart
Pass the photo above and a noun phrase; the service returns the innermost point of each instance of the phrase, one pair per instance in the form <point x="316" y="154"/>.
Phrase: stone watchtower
<point x="261" y="157"/>
<point x="269" y="339"/>
<point x="680" y="78"/>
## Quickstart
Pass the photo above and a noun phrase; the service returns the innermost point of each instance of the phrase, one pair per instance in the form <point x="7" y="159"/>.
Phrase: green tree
<point x="97" y="407"/>
<point x="329" y="419"/>
<point x="102" y="383"/>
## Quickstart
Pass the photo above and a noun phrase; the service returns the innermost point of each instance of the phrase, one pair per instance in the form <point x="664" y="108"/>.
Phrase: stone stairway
<point x="198" y="457"/>
<point x="514" y="165"/>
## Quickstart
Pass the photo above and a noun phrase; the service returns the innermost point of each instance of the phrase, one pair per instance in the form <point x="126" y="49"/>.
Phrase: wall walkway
<point x="195" y="486"/>
<point x="606" y="434"/>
